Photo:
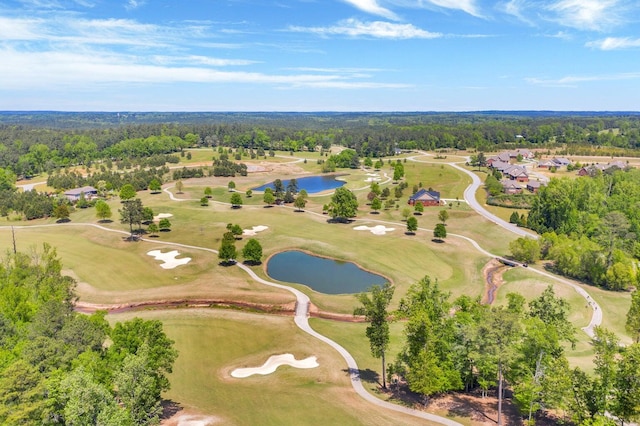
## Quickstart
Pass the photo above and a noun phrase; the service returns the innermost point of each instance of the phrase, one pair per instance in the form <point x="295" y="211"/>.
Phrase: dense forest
<point x="31" y="143"/>
<point x="589" y="227"/>
<point x="463" y="345"/>
<point x="56" y="367"/>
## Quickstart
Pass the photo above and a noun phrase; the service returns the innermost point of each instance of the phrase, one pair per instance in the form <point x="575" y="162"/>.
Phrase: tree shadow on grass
<point x="340" y="220"/>
<point x="252" y="263"/>
<point x="105" y="221"/>
<point x="226" y="263"/>
<point x="63" y="220"/>
<point x="170" y="408"/>
<point x="438" y="240"/>
<point x="367" y="375"/>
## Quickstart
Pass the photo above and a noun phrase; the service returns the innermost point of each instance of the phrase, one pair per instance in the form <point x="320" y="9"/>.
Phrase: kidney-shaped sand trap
<point x="254" y="230"/>
<point x="376" y="230"/>
<point x="169" y="259"/>
<point x="162" y="216"/>
<point x="273" y="363"/>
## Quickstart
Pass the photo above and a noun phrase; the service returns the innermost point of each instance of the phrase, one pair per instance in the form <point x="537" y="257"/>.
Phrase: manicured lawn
<point x="212" y="343"/>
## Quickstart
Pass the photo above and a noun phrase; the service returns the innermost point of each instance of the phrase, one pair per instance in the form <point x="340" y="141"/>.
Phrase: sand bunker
<point x="372" y="179"/>
<point x="194" y="420"/>
<point x="254" y="230"/>
<point x="162" y="216"/>
<point x="375" y="230"/>
<point x="273" y="363"/>
<point x="169" y="259"/>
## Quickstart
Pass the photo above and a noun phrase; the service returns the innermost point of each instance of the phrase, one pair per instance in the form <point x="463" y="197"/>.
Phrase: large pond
<point x="311" y="184"/>
<point x="322" y="275"/>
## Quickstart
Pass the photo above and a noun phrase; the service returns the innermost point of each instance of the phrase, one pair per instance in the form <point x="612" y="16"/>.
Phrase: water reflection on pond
<point x="322" y="275"/>
<point x="311" y="184"/>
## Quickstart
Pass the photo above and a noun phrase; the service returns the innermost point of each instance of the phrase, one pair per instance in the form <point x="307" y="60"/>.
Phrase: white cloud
<point x="573" y="80"/>
<point x="134" y="4"/>
<point x="518" y="8"/>
<point x="77" y="71"/>
<point x="372" y="6"/>
<point x="377" y="29"/>
<point x="587" y="14"/>
<point x="21" y="29"/>
<point x="204" y="60"/>
<point x="615" y="43"/>
<point x="468" y="6"/>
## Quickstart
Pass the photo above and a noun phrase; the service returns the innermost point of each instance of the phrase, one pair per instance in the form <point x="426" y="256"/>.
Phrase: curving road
<point x="301" y="320"/>
<point x="470" y="198"/>
<point x="303" y="301"/>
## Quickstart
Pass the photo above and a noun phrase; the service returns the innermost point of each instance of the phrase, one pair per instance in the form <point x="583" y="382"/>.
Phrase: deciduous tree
<point x="61" y="212"/>
<point x="268" y="198"/>
<point x="412" y="225"/>
<point x="252" y="252"/>
<point x="236" y="200"/>
<point x="632" y="324"/>
<point x="376" y="204"/>
<point x="127" y="192"/>
<point x="418" y="208"/>
<point x="155" y="186"/>
<point x="103" y="211"/>
<point x="443" y="216"/>
<point x="525" y="249"/>
<point x="300" y="202"/>
<point x="344" y="204"/>
<point x="164" y="224"/>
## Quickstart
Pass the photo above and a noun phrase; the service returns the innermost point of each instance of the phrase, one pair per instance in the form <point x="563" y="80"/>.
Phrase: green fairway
<point x="213" y="343"/>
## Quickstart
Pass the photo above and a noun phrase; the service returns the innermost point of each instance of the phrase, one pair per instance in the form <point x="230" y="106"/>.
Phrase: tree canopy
<point x="56" y="364"/>
<point x="344" y="204"/>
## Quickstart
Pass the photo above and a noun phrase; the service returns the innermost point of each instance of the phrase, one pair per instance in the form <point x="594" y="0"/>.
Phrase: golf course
<point x="227" y="317"/>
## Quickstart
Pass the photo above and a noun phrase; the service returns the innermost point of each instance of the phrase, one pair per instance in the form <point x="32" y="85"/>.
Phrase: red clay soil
<point x="492" y="273"/>
<point x="285" y="309"/>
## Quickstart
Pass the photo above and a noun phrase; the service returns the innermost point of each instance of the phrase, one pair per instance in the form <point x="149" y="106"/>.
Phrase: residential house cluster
<point x="508" y="156"/>
<point x="514" y="174"/>
<point x="554" y="163"/>
<point x="595" y="168"/>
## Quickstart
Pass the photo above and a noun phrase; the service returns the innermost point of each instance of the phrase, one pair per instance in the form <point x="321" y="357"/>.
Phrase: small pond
<point x="311" y="184"/>
<point x="322" y="275"/>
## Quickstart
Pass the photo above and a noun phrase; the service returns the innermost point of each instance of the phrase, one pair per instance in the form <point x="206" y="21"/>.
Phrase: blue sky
<point x="319" y="55"/>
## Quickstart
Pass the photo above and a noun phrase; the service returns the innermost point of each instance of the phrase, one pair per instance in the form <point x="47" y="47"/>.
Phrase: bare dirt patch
<point x="290" y="168"/>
